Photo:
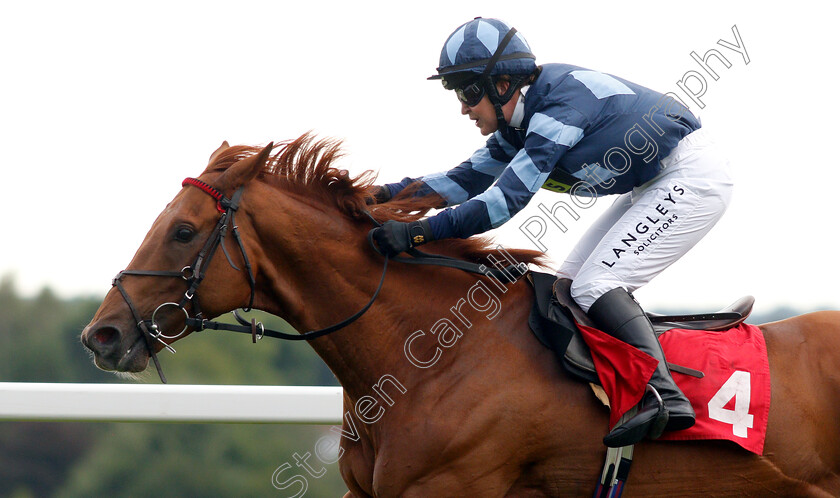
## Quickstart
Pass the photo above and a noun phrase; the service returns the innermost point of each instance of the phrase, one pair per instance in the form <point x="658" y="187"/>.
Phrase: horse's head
<point x="192" y="251"/>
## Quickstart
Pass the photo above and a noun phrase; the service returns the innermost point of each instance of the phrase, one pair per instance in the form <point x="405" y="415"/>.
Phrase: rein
<point x="194" y="275"/>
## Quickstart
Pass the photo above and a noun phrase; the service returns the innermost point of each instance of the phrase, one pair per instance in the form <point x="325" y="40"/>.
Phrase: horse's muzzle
<point x="107" y="342"/>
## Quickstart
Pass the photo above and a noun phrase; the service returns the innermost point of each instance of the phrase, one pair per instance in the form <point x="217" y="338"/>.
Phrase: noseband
<point x="194" y="274"/>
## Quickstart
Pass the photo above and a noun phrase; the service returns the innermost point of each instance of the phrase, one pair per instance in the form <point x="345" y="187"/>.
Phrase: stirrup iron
<point x="648" y="420"/>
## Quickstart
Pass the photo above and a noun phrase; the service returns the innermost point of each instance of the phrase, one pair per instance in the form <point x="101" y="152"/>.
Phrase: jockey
<point x="574" y="130"/>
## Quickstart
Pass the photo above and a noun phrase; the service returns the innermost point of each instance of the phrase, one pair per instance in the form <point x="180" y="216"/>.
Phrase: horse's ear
<point x="221" y="149"/>
<point x="244" y="170"/>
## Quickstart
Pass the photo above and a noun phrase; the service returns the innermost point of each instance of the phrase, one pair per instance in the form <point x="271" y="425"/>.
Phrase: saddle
<point x="554" y="314"/>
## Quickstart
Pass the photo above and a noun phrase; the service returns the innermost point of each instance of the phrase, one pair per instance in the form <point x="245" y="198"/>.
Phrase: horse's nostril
<point x="101" y="339"/>
<point x="105" y="336"/>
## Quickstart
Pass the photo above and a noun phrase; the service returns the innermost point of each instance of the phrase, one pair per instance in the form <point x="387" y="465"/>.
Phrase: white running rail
<point x="170" y="403"/>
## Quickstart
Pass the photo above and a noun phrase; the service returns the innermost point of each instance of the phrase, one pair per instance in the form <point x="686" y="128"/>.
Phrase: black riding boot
<point x="620" y="316"/>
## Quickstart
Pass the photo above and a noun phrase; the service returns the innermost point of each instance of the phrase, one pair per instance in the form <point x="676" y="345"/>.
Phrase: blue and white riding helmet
<point x="471" y="51"/>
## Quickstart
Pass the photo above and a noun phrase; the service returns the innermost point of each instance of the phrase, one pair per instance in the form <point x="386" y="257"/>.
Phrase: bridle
<point x="194" y="274"/>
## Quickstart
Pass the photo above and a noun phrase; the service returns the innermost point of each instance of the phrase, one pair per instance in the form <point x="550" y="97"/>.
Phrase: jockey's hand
<point x="394" y="237"/>
<point x="378" y="195"/>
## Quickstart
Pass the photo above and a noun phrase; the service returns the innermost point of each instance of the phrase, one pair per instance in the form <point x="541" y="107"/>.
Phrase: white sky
<point x="106" y="106"/>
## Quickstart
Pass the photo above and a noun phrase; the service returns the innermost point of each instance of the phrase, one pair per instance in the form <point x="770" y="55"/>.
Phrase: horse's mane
<point x="305" y="166"/>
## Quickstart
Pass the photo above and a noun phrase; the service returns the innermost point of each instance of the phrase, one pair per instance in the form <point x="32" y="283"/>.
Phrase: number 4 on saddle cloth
<point x="719" y="363"/>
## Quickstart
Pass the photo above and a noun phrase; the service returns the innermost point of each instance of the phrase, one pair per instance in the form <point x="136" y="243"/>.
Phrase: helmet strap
<point x="497" y="101"/>
<point x="490" y="86"/>
<point x="500" y="100"/>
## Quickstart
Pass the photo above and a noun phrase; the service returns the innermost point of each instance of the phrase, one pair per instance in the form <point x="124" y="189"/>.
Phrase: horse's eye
<point x="184" y="234"/>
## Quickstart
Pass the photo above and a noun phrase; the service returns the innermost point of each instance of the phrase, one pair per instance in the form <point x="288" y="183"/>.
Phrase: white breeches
<point x="651" y="227"/>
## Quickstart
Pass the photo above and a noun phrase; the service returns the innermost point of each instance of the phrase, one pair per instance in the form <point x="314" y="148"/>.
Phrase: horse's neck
<point x="332" y="273"/>
<point x="316" y="271"/>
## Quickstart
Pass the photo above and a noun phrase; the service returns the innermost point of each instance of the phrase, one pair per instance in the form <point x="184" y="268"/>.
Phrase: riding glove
<point x="394" y="237"/>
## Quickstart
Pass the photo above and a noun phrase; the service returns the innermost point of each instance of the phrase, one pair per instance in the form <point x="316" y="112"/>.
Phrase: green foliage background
<point x="39" y="342"/>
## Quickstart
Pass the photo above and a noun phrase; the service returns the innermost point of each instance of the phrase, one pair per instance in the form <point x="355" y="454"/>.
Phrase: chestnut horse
<point x="479" y="409"/>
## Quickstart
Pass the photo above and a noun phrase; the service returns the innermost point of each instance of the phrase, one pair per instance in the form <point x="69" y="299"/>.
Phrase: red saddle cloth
<point x="732" y="400"/>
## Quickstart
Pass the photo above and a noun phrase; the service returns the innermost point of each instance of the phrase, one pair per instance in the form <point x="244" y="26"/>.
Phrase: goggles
<point x="472" y="94"/>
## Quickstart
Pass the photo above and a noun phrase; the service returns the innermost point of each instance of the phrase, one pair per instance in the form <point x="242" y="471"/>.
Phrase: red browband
<point x="206" y="188"/>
